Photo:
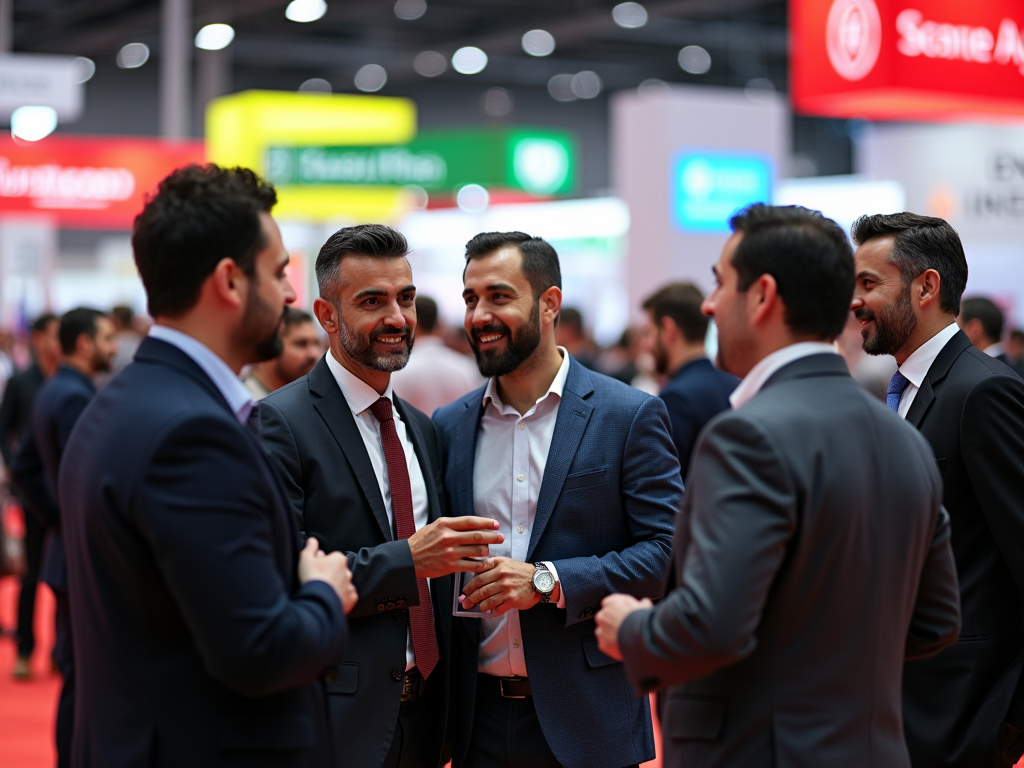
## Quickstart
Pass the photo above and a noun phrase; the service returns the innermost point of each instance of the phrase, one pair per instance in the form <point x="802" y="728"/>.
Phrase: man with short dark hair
<point x="964" y="707"/>
<point x="696" y="391"/>
<point x="300" y="349"/>
<point x="982" y="322"/>
<point x="201" y="629"/>
<point x="580" y="472"/>
<point x="812" y="552"/>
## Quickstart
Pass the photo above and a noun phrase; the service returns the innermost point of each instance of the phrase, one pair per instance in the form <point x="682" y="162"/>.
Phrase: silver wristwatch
<point x="543" y="582"/>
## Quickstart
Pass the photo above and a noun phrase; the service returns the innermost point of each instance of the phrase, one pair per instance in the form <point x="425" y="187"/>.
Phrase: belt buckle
<point x="501" y="683"/>
<point x="410" y="687"/>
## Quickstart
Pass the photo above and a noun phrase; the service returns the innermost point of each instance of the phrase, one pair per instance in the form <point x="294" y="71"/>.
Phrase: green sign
<point x="537" y="161"/>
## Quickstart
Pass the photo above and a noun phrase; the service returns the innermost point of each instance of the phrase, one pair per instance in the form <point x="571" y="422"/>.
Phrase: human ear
<point x="929" y="286"/>
<point x="326" y="314"/>
<point x="226" y="281"/>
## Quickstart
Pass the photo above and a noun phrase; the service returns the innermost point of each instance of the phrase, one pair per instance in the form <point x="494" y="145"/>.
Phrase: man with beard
<point x="696" y="391"/>
<point x="363" y="472"/>
<point x="812" y="552"/>
<point x="88" y="345"/>
<point x="964" y="707"/>
<point x="300" y="349"/>
<point x="581" y="473"/>
<point x="201" y="629"/>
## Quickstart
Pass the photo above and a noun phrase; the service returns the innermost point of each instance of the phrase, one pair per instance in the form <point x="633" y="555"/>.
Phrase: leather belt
<point x="510" y="687"/>
<point x="412" y="685"/>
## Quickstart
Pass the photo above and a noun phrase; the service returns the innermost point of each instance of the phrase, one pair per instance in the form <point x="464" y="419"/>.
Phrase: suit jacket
<point x="695" y="394"/>
<point x="604" y="518"/>
<point x="15" y="408"/>
<point x="811" y="555"/>
<point x="309" y="429"/>
<point x="195" y="643"/>
<point x="965" y="707"/>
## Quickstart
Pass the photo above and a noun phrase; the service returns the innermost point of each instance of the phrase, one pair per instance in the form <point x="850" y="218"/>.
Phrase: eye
<point x="470" y="300"/>
<point x="371" y="302"/>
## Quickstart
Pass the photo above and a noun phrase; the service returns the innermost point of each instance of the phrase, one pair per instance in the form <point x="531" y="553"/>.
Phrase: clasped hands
<point x="614" y="610"/>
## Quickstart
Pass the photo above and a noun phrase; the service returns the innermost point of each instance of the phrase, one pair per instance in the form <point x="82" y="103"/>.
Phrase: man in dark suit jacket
<point x="581" y="473"/>
<point x="87" y="341"/>
<point x="389" y="700"/>
<point x="982" y="322"/>
<point x="965" y="707"/>
<point x="811" y="553"/>
<point x="696" y="391"/>
<point x="201" y="630"/>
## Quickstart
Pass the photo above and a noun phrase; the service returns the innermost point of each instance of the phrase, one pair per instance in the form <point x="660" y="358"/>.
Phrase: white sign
<point x="45" y="81"/>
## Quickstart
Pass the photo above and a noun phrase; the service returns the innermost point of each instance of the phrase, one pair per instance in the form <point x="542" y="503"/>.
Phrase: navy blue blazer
<point x="695" y="394"/>
<point x="195" y="643"/>
<point x="604" y="517"/>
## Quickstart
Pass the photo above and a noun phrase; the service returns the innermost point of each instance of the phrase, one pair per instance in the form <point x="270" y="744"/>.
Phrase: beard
<point x="894" y="325"/>
<point x="518" y="345"/>
<point x="359" y="347"/>
<point x="660" y="356"/>
<point x="261" y="327"/>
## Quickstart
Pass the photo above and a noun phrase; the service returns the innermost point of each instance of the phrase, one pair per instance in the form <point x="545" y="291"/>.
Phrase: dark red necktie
<point x="421" y="617"/>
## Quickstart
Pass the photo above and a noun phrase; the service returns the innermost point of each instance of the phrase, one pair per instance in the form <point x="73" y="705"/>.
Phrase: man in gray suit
<point x="812" y="554"/>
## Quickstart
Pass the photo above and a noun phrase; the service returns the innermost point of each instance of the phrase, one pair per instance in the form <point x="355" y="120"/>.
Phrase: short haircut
<point x="74" y="323"/>
<point x="680" y="302"/>
<point x="540" y="261"/>
<point x="199" y="215"/>
<point x="571" y="318"/>
<point x="375" y="240"/>
<point x="920" y="243"/>
<point x="984" y="310"/>
<point x="293" y="317"/>
<point x="810" y="259"/>
<point x="1017" y="334"/>
<point x="426" y="314"/>
<point x="123" y="314"/>
<point x="41" y="323"/>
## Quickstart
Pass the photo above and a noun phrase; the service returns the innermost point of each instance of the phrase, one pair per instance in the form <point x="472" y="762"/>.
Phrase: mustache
<point x="863" y="313"/>
<point x="405" y="333"/>
<point x="492" y="327"/>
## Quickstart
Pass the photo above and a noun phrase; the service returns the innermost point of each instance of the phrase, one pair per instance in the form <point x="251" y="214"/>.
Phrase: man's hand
<point x="614" y="610"/>
<point x="317" y="565"/>
<point x="448" y="545"/>
<point x="506" y="584"/>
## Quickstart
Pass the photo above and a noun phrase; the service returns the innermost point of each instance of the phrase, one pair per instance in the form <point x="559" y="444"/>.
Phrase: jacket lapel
<point x="938" y="371"/>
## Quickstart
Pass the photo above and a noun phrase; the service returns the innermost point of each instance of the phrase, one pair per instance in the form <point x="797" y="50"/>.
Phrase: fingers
<point x="488" y="575"/>
<point x="469" y="523"/>
<point x="312" y="546"/>
<point x="472" y="566"/>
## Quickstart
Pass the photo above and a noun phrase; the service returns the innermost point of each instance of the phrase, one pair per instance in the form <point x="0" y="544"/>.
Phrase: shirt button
<point x="515" y="643"/>
<point x="520" y="478"/>
<point x="521" y="425"/>
<point x="519" y="529"/>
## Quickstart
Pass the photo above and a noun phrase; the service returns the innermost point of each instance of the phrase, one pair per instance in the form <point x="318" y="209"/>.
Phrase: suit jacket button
<point x="399" y="602"/>
<point x="380" y="606"/>
<point x="396" y="674"/>
<point x="391" y="605"/>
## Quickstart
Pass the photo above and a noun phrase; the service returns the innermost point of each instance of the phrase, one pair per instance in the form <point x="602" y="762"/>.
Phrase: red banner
<point x="907" y="59"/>
<point x="87" y="183"/>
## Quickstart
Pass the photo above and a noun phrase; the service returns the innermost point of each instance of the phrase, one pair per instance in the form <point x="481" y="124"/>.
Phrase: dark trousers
<point x="419" y="731"/>
<point x="34" y="533"/>
<point x="65" y="658"/>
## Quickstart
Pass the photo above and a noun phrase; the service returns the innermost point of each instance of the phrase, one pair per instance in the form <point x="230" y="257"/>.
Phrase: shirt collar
<point x="358" y="394"/>
<point x="915" y="367"/>
<point x="556" y="388"/>
<point x="994" y="350"/>
<point x="767" y="366"/>
<point x="224" y="379"/>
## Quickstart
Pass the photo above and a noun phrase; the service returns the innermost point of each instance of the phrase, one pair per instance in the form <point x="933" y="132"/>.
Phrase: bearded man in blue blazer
<point x="582" y="476"/>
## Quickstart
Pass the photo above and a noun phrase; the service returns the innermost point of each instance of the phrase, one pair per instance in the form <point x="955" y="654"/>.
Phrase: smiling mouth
<point x="390" y="340"/>
<point x="489" y="338"/>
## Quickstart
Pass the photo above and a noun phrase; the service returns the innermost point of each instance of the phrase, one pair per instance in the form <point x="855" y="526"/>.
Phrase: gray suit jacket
<point x="811" y="558"/>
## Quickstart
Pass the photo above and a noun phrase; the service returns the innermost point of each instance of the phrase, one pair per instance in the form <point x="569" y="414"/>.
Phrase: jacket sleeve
<point x="742" y="514"/>
<point x="935" y="623"/>
<point x="29" y="477"/>
<point x="202" y="505"/>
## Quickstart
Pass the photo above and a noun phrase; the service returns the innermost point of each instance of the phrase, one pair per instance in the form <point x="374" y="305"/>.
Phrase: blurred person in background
<point x="7" y="366"/>
<point x="435" y="375"/>
<point x="88" y="346"/>
<point x="15" y="411"/>
<point x="300" y="349"/>
<point x="696" y="391"/>
<point x="982" y="321"/>
<point x="963" y="708"/>
<point x="571" y="334"/>
<point x="128" y="337"/>
<point x="1015" y="350"/>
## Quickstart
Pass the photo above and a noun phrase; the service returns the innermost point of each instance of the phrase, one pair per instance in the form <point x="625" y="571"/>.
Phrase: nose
<point x="708" y="307"/>
<point x="478" y="316"/>
<point x="394" y="317"/>
<point x="289" y="292"/>
<point x="856" y="303"/>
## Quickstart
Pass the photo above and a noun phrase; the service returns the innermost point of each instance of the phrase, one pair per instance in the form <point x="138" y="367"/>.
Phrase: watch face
<point x="544" y="581"/>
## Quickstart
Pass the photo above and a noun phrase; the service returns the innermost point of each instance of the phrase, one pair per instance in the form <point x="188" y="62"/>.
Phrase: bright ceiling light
<point x="371" y="78"/>
<point x="315" y="85"/>
<point x="539" y="42"/>
<point x="305" y="11"/>
<point x="430" y="64"/>
<point x="473" y="198"/>
<point x="586" y="84"/>
<point x="407" y="10"/>
<point x="215" y="37"/>
<point x="469" y="60"/>
<point x="133" y="56"/>
<point x="695" y="60"/>
<point x="33" y="123"/>
<point x="629" y="15"/>
<point x="560" y="88"/>
<point x="85" y="68"/>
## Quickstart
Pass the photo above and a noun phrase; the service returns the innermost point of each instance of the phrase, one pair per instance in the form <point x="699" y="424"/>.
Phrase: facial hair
<point x="519" y="345"/>
<point x="359" y="347"/>
<point x="660" y="355"/>
<point x="894" y="325"/>
<point x="261" y="326"/>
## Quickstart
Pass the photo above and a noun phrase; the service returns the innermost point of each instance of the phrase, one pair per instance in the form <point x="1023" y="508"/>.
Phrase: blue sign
<point x="708" y="187"/>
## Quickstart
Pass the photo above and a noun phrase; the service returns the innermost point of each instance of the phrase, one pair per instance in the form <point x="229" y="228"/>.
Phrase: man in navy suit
<point x="87" y="342"/>
<point x="696" y="391"/>
<point x="581" y="474"/>
<point x="201" y="630"/>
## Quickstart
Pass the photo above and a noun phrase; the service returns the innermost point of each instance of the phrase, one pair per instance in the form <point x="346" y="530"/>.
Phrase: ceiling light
<point x="586" y="84"/>
<point x="407" y="10"/>
<point x="629" y="15"/>
<point x="695" y="60"/>
<point x="496" y="102"/>
<point x="215" y="37"/>
<point x="85" y="68"/>
<point x="430" y="64"/>
<point x="315" y="85"/>
<point x="560" y="88"/>
<point x="652" y="86"/>
<point x="33" y="123"/>
<point x="469" y="60"/>
<point x="371" y="78"/>
<point x="473" y="198"/>
<point x="133" y="56"/>
<point x="539" y="42"/>
<point x="305" y="11"/>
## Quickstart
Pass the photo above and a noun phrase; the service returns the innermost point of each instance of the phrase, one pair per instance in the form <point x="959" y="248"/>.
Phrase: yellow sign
<point x="241" y="128"/>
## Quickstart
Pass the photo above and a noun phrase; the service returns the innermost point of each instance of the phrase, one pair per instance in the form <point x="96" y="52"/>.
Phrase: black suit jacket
<point x="16" y="407"/>
<point x="194" y="641"/>
<point x="309" y="429"/>
<point x="695" y="394"/>
<point x="971" y="409"/>
<point x="811" y="556"/>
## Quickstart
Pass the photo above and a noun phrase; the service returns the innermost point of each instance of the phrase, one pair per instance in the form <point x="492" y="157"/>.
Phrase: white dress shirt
<point x="915" y="367"/>
<point x="360" y="396"/>
<point x="508" y="469"/>
<point x="224" y="379"/>
<point x="764" y="370"/>
<point x="994" y="350"/>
